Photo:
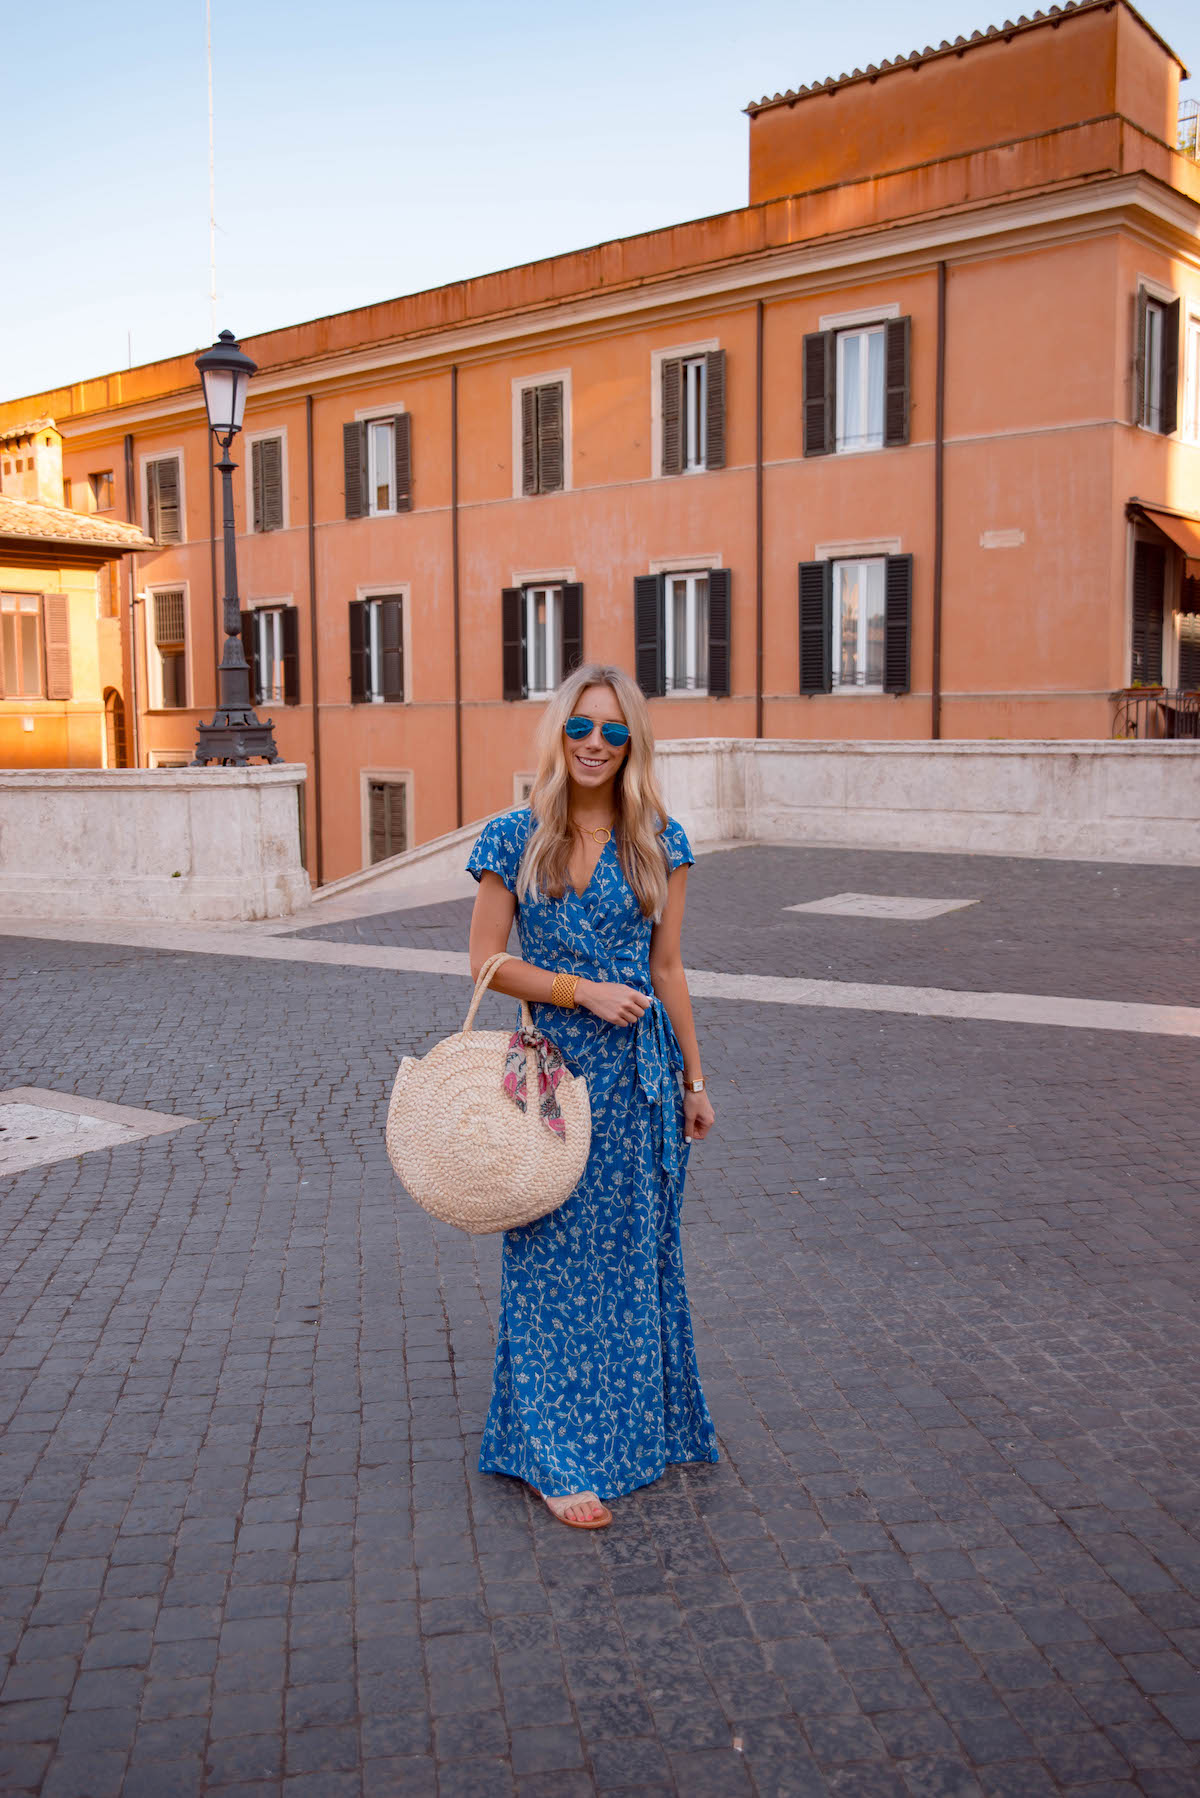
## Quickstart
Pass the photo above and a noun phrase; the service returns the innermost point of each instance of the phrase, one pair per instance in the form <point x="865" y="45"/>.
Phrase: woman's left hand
<point x="698" y="1115"/>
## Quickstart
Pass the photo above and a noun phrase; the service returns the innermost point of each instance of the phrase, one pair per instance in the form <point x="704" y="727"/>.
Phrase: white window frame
<point x="154" y="692"/>
<point x="835" y="634"/>
<point x="1190" y="423"/>
<point x="554" y="635"/>
<point x="28" y="605"/>
<point x="691" y="576"/>
<point x="163" y="455"/>
<point x="684" y="352"/>
<point x="391" y="590"/>
<point x="545" y="377"/>
<point x="1150" y="399"/>
<point x="396" y="777"/>
<point x="262" y="610"/>
<point x="378" y="415"/>
<point x="252" y="437"/>
<point x="877" y="328"/>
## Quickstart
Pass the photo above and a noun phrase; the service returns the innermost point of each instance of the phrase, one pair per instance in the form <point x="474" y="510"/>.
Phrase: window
<point x="66" y="490"/>
<point x="271" y="640"/>
<point x="167" y="652"/>
<point x="693" y="412"/>
<point x="543" y="452"/>
<point x="856" y="388"/>
<point x="1189" y="650"/>
<point x="682" y="626"/>
<point x="116" y="743"/>
<point x="1191" y="386"/>
<point x="266" y="484"/>
<point x="377" y="650"/>
<point x="101" y="486"/>
<point x="856" y="625"/>
<point x="387" y="818"/>
<point x="164" y="513"/>
<point x="377" y="458"/>
<point x="1146" y="645"/>
<point x="21" y="643"/>
<point x="1157" y="364"/>
<point x="542" y="636"/>
<point x="108" y="604"/>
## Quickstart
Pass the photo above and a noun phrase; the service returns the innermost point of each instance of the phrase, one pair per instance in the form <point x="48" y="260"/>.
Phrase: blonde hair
<point x="640" y="815"/>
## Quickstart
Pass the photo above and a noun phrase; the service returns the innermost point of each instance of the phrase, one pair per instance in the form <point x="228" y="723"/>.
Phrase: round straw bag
<point x="465" y="1150"/>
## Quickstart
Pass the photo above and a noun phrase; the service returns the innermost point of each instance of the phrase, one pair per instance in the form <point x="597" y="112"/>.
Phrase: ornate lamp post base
<point x="234" y="736"/>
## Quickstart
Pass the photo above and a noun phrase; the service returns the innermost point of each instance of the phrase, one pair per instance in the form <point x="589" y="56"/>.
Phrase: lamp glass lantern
<point x="225" y="372"/>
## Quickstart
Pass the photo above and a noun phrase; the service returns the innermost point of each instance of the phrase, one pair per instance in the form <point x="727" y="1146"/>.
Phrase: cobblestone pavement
<point x="943" y="1276"/>
<point x="1090" y="930"/>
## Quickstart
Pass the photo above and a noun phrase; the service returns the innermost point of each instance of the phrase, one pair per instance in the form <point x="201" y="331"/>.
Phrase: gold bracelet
<point x="562" y="992"/>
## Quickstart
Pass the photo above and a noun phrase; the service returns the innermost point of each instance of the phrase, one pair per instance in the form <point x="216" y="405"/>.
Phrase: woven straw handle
<point x="486" y="974"/>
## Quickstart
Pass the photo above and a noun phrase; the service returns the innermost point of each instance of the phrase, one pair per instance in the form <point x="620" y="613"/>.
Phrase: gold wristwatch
<point x="694" y="1086"/>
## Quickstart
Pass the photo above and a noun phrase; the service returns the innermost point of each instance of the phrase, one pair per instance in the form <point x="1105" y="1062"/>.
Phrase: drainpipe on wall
<point x="319" y="868"/>
<point x="454" y="578"/>
<point x="131" y="509"/>
<point x="939" y="498"/>
<point x="758" y="520"/>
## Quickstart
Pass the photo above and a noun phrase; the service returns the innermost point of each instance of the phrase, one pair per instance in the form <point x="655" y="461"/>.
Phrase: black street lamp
<point x="236" y="734"/>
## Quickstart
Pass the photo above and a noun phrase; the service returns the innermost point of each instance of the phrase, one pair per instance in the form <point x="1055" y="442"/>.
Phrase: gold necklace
<point x="601" y="834"/>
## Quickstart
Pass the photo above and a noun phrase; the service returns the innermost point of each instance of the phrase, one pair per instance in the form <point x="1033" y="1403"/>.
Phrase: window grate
<point x="168" y="617"/>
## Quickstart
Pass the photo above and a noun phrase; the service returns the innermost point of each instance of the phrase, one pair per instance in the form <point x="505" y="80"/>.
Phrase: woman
<point x="595" y="1386"/>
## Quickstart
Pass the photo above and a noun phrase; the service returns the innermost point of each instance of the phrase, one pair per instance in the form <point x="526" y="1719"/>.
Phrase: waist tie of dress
<point x="659" y="1062"/>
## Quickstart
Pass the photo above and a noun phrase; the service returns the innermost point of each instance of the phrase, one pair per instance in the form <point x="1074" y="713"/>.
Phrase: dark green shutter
<point x="358" y="651"/>
<point x="529" y="457"/>
<point x="257" y="508"/>
<point x="512" y="648"/>
<point x="649" y="632"/>
<point x="391" y="648"/>
<point x="402" y="430"/>
<point x="897" y="624"/>
<point x="1189" y="655"/>
<point x="291" y="655"/>
<point x="714" y="423"/>
<point x="672" y="415"/>
<point x="720" y="624"/>
<point x="1149" y="567"/>
<point x="250" y="650"/>
<point x="819" y="379"/>
<point x="1170" y="367"/>
<point x="816" y="627"/>
<point x="271" y="458"/>
<point x="897" y="338"/>
<point x="550" y="445"/>
<point x="572" y="625"/>
<point x="354" y="460"/>
<point x="1139" y="357"/>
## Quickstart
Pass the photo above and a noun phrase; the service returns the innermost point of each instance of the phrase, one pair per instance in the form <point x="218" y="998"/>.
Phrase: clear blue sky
<point x="374" y="147"/>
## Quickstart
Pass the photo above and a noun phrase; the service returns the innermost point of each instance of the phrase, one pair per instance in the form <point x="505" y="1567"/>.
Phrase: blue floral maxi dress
<point x="596" y="1387"/>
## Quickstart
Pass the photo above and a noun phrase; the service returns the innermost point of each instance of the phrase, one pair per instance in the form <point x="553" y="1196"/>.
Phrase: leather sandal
<point x="596" y="1523"/>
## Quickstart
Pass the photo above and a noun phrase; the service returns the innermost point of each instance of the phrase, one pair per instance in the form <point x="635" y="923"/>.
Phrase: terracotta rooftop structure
<point x="915" y="58"/>
<point x="32" y="522"/>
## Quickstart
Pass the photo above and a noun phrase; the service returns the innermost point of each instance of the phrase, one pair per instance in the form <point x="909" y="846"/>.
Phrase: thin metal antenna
<point x="212" y="179"/>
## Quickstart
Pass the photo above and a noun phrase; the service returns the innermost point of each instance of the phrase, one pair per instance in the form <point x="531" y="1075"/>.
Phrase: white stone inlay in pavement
<point x="881" y="905"/>
<point x="755" y="989"/>
<point x="38" y="1126"/>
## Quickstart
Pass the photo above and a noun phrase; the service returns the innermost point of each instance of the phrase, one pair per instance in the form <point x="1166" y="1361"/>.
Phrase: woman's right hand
<point x="609" y="1000"/>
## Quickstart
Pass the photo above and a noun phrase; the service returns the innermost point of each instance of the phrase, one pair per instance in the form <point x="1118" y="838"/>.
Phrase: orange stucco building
<point x="909" y="446"/>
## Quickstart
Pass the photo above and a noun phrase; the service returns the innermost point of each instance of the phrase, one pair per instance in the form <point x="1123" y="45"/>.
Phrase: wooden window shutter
<point x="897" y="624"/>
<point x="354" y="458"/>
<point x="163" y="484"/>
<point x="391" y="643"/>
<point x="56" y="638"/>
<point x="1149" y="567"/>
<point x="258" y="507"/>
<point x="1170" y="367"/>
<point x="358" y="651"/>
<point x="550" y="446"/>
<point x="816" y="627"/>
<point x="649" y="633"/>
<point x="402" y="424"/>
<point x="1189" y="660"/>
<point x="529" y="456"/>
<point x="897" y="339"/>
<point x="271" y="464"/>
<point x="291" y="655"/>
<point x="672" y="415"/>
<point x="819" y="378"/>
<point x="1139" y="357"/>
<point x="512" y="630"/>
<point x="720" y="623"/>
<point x="572" y="625"/>
<point x="715" y="409"/>
<point x="250" y="650"/>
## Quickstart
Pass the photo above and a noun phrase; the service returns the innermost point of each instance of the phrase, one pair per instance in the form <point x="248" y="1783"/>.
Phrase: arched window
<point x="116" y="745"/>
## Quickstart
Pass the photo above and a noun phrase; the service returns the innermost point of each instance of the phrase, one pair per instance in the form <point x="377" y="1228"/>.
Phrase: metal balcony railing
<point x="1189" y="129"/>
<point x="1152" y="714"/>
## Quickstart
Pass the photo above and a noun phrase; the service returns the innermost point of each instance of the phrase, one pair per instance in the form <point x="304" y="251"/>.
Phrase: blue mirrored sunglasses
<point x="615" y="735"/>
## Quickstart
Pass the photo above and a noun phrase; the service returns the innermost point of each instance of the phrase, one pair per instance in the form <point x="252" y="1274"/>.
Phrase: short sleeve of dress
<point x="498" y="849"/>
<point x="679" y="850"/>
